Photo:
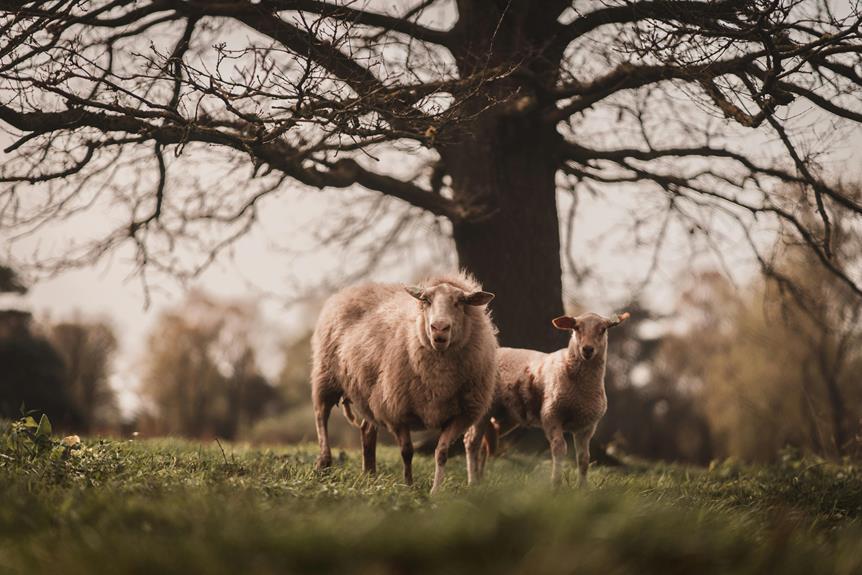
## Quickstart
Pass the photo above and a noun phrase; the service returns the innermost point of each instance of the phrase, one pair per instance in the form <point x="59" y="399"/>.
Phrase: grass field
<point x="167" y="506"/>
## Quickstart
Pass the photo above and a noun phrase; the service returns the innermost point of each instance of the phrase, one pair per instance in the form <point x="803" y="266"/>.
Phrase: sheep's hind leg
<point x="321" y="413"/>
<point x="369" y="447"/>
<point x="473" y="447"/>
<point x="406" y="445"/>
<point x="450" y="433"/>
<point x="490" y="445"/>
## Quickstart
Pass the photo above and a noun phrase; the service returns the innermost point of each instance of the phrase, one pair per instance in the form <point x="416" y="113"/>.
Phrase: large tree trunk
<point x="830" y="373"/>
<point x="506" y="172"/>
<point x="503" y="161"/>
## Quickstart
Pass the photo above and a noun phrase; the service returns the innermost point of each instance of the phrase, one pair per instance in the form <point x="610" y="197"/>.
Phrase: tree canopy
<point x="484" y="109"/>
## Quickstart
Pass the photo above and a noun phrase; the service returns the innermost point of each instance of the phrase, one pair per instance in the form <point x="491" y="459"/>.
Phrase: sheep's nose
<point x="441" y="326"/>
<point x="588" y="351"/>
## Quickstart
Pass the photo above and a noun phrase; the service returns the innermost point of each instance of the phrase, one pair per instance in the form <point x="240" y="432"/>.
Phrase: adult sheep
<point x="405" y="358"/>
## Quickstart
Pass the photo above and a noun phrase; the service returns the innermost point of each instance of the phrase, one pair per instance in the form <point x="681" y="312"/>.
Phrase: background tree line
<point x="729" y="370"/>
<point x="62" y="368"/>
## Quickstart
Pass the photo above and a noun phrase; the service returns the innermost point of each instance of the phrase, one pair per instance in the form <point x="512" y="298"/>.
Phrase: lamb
<point x="559" y="392"/>
<point x="405" y="358"/>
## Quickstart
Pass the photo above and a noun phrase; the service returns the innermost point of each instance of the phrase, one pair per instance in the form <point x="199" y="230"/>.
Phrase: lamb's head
<point x="445" y="311"/>
<point x="589" y="332"/>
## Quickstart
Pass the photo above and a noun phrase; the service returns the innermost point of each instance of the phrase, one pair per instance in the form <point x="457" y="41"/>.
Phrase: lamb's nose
<point x="588" y="351"/>
<point x="442" y="326"/>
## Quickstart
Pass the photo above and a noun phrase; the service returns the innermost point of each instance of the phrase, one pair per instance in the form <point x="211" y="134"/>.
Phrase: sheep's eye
<point x="602" y="330"/>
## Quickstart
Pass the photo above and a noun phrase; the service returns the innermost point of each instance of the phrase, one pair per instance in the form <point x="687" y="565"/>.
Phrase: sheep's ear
<point x="564" y="322"/>
<point x="620" y="319"/>
<point x="416" y="292"/>
<point x="478" y="298"/>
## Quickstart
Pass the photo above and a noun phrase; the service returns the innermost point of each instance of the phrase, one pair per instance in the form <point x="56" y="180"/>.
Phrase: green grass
<point x="167" y="506"/>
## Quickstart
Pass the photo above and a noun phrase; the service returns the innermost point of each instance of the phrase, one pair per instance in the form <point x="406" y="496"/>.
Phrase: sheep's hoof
<point x="323" y="462"/>
<point x="476" y="479"/>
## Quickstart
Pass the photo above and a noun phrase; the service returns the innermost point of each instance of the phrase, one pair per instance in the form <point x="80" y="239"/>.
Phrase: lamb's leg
<point x="449" y="435"/>
<point x="406" y="445"/>
<point x="558" y="452"/>
<point x="582" y="451"/>
<point x="473" y="447"/>
<point x="321" y="414"/>
<point x="369" y="447"/>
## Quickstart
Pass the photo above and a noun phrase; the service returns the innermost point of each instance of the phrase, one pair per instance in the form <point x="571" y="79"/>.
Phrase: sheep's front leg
<point x="406" y="444"/>
<point x="473" y="447"/>
<point x="449" y="435"/>
<point x="558" y="452"/>
<point x="369" y="447"/>
<point x="582" y="452"/>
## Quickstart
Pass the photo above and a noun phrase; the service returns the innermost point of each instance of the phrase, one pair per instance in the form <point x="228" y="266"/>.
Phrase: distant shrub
<point x="297" y="426"/>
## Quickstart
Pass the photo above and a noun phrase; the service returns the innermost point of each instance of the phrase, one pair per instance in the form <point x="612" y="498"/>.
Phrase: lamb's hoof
<point x="323" y="462"/>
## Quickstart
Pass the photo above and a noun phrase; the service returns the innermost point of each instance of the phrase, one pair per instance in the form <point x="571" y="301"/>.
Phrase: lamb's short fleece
<point x="385" y="353"/>
<point x="560" y="392"/>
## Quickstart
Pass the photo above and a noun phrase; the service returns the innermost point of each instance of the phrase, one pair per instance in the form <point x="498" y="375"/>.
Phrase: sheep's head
<point x="445" y="308"/>
<point x="589" y="332"/>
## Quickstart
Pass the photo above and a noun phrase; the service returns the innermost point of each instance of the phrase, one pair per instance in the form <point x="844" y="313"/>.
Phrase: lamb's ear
<point x="620" y="319"/>
<point x="565" y="322"/>
<point x="416" y="292"/>
<point x="478" y="298"/>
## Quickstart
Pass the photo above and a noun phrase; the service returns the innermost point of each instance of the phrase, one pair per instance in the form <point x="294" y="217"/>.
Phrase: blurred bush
<point x="201" y="377"/>
<point x="32" y="373"/>
<point x="777" y="363"/>
<point x="87" y="349"/>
